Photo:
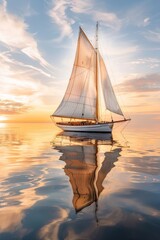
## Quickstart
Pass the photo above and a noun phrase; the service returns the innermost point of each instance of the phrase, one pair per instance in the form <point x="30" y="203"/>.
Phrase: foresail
<point x="110" y="99"/>
<point x="80" y="98"/>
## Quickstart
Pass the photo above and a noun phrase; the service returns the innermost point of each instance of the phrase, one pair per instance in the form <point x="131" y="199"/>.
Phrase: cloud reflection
<point x="78" y="187"/>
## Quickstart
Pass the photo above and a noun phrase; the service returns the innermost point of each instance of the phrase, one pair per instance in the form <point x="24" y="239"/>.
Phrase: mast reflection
<point x="89" y="158"/>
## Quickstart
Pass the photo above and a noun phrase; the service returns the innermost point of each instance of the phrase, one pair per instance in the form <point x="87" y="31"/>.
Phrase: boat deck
<point x="82" y="123"/>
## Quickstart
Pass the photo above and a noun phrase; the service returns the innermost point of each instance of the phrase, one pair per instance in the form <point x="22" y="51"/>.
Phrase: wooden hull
<point x="99" y="128"/>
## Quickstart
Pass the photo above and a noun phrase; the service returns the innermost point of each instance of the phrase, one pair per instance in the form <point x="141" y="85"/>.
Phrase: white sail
<point x="80" y="98"/>
<point x="110" y="99"/>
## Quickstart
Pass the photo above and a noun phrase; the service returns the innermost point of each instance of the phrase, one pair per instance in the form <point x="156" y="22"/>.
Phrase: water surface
<point x="72" y="186"/>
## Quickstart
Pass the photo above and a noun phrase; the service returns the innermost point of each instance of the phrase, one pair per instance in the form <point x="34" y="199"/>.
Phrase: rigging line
<point x="124" y="126"/>
<point x="117" y="126"/>
<point x="52" y="119"/>
<point x="123" y="136"/>
<point x="111" y="116"/>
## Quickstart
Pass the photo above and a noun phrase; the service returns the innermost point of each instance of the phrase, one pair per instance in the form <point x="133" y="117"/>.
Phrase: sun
<point x="3" y="118"/>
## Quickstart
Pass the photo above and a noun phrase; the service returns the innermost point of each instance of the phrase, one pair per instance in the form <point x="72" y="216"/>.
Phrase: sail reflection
<point x="88" y="158"/>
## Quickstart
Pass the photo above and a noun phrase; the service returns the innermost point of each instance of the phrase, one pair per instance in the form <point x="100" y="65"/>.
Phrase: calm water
<point x="70" y="186"/>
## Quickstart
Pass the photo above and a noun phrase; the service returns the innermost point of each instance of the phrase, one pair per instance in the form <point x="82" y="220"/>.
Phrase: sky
<point x="37" y="49"/>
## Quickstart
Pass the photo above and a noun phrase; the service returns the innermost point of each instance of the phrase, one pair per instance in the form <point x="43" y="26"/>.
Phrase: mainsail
<point x="80" y="98"/>
<point x="89" y="74"/>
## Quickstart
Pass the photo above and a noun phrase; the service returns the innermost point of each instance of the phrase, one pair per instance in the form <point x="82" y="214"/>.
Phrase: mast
<point x="97" y="93"/>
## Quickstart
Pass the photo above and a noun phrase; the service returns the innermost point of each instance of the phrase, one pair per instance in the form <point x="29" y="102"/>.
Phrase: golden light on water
<point x="3" y="118"/>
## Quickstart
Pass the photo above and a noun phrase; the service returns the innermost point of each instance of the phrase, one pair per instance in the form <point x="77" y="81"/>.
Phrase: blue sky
<point x="38" y="43"/>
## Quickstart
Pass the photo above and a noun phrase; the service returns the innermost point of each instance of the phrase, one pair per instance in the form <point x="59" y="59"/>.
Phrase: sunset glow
<point x="3" y="118"/>
<point x="38" y="44"/>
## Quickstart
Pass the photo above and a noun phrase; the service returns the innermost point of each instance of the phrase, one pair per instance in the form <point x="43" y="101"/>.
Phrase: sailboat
<point x="89" y="87"/>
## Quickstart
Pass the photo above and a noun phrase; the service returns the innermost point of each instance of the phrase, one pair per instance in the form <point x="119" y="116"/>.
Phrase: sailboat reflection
<point x="89" y="158"/>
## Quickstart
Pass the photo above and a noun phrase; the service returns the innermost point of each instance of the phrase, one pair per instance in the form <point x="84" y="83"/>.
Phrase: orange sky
<point x="36" y="59"/>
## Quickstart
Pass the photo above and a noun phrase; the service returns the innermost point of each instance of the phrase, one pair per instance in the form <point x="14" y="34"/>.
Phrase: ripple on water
<point x="42" y="181"/>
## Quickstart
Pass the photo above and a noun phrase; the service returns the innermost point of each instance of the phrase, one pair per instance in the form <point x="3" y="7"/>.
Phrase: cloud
<point x="107" y="19"/>
<point x="6" y="58"/>
<point x="147" y="83"/>
<point x="19" y="91"/>
<point x="14" y="34"/>
<point x="9" y="107"/>
<point x="17" y="74"/>
<point x="151" y="62"/>
<point x="137" y="16"/>
<point x="4" y="4"/>
<point x="22" y="83"/>
<point x="120" y="50"/>
<point x="146" y="21"/>
<point x="28" y="10"/>
<point x="59" y="16"/>
<point x="153" y="36"/>
<point x="64" y="13"/>
<point x="81" y="6"/>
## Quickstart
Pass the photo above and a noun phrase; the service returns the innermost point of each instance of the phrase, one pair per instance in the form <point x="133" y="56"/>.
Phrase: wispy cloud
<point x="6" y="58"/>
<point x="15" y="74"/>
<point x="146" y="21"/>
<point x="28" y="10"/>
<point x="81" y="6"/>
<point x="153" y="36"/>
<point x="59" y="16"/>
<point x="22" y="83"/>
<point x="151" y="62"/>
<point x="8" y="107"/>
<point x="147" y="83"/>
<point x="107" y="19"/>
<point x="19" y="91"/>
<point x="64" y="13"/>
<point x="121" y="50"/>
<point x="14" y="34"/>
<point x="137" y="16"/>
